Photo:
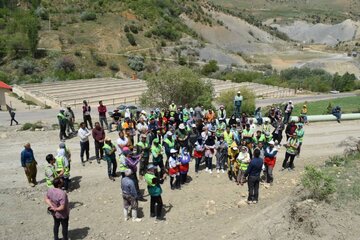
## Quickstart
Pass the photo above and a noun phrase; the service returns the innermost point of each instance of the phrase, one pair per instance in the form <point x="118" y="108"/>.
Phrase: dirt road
<point x="97" y="206"/>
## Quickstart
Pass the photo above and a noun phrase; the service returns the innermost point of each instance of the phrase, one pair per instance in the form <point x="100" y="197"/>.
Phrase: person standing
<point x="243" y="161"/>
<point x="143" y="148"/>
<point x="129" y="195"/>
<point x="253" y="174"/>
<point x="173" y="165"/>
<point x="154" y="189"/>
<point x="110" y="157"/>
<point x="50" y="171"/>
<point x="98" y="134"/>
<point x="222" y="114"/>
<point x="102" y="114"/>
<point x="291" y="149"/>
<point x="70" y="117"/>
<point x="209" y="151"/>
<point x="12" y="115"/>
<point x="184" y="160"/>
<point x="221" y="154"/>
<point x="58" y="203"/>
<point x="157" y="155"/>
<point x="198" y="153"/>
<point x="84" y="134"/>
<point x="29" y="163"/>
<point x="87" y="114"/>
<point x="288" y="110"/>
<point x="62" y="124"/>
<point x="300" y="136"/>
<point x="269" y="161"/>
<point x="290" y="129"/>
<point x="238" y="99"/>
<point x="62" y="168"/>
<point x="258" y="116"/>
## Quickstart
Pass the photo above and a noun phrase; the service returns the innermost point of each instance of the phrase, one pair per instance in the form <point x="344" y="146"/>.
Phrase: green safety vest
<point x="143" y="146"/>
<point x="61" y="166"/>
<point x="261" y="139"/>
<point x="122" y="165"/>
<point x="291" y="149"/>
<point x="49" y="181"/>
<point x="172" y="108"/>
<point x="153" y="189"/>
<point x="300" y="134"/>
<point x="156" y="151"/>
<point x="61" y="116"/>
<point x="243" y="166"/>
<point x="228" y="137"/>
<point x="171" y="144"/>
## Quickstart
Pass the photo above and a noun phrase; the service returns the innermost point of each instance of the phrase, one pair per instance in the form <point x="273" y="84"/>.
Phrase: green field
<point x="347" y="104"/>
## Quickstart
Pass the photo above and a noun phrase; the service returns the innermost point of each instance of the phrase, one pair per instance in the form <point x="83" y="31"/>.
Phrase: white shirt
<point x="84" y="134"/>
<point x="141" y="127"/>
<point x="120" y="141"/>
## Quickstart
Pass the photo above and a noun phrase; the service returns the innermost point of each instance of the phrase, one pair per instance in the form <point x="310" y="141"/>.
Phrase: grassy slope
<point x="347" y="104"/>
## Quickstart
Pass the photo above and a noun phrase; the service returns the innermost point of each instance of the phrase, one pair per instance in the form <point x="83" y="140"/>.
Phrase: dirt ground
<point x="209" y="207"/>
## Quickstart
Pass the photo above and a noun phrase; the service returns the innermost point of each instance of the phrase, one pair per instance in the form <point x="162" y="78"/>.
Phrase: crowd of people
<point x="161" y="144"/>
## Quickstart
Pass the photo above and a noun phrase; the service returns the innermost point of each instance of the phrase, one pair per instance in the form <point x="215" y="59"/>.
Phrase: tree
<point x="131" y="39"/>
<point x="210" y="67"/>
<point x="32" y="31"/>
<point x="226" y="98"/>
<point x="179" y="85"/>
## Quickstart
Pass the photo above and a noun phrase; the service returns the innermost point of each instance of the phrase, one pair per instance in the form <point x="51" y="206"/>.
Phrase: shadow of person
<point x="75" y="204"/>
<point x="167" y="208"/>
<point x="188" y="179"/>
<point x="79" y="233"/>
<point x="42" y="181"/>
<point x="75" y="183"/>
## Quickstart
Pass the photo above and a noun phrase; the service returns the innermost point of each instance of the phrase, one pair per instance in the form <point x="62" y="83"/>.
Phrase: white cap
<point x="272" y="142"/>
<point x="238" y="92"/>
<point x="290" y="101"/>
<point x="169" y="133"/>
<point x="173" y="150"/>
<point x="181" y="126"/>
<point x="193" y="125"/>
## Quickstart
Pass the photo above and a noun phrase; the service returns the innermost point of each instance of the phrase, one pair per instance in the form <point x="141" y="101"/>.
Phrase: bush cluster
<point x="65" y="64"/>
<point x="88" y="16"/>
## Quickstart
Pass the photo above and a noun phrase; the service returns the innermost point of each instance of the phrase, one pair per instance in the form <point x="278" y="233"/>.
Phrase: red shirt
<point x="102" y="110"/>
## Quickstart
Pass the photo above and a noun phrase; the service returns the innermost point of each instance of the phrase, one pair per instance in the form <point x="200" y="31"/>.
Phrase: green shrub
<point x="126" y="29"/>
<point x="42" y="13"/>
<point x="136" y="63"/>
<point x="98" y="60"/>
<point x="4" y="77"/>
<point x="130" y="37"/>
<point x="88" y="16"/>
<point x="210" y="67"/>
<point x="27" y="67"/>
<point x="114" y="67"/>
<point x="134" y="29"/>
<point x="318" y="183"/>
<point x="182" y="60"/>
<point x="65" y="64"/>
<point x="26" y="126"/>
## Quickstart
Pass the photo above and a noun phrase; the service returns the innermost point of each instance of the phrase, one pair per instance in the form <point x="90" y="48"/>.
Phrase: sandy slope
<point x="97" y="203"/>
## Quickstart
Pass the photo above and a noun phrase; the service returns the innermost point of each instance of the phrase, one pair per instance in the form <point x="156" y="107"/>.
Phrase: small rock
<point x="233" y="232"/>
<point x="241" y="203"/>
<point x="21" y="222"/>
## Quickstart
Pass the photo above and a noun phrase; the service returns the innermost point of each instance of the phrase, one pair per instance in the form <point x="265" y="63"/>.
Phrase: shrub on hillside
<point x="88" y="16"/>
<point x="27" y="67"/>
<point x="114" y="67"/>
<point x="134" y="29"/>
<point x="210" y="67"/>
<point x="136" y="63"/>
<point x="130" y="37"/>
<point x="226" y="98"/>
<point x="319" y="184"/>
<point x="65" y="64"/>
<point x="42" y="13"/>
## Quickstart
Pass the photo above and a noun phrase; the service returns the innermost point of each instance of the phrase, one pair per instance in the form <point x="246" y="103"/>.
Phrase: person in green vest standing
<point x="142" y="147"/>
<point x="291" y="151"/>
<point x="300" y="136"/>
<point x="157" y="155"/>
<point x="110" y="157"/>
<point x="50" y="171"/>
<point x="62" y="167"/>
<point x="154" y="189"/>
<point x="220" y="128"/>
<point x="62" y="124"/>
<point x="168" y="143"/>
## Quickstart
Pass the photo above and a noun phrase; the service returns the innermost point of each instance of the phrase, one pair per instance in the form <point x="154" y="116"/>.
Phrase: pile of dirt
<point x="321" y="33"/>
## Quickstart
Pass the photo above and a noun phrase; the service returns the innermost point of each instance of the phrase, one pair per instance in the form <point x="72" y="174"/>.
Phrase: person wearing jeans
<point x="84" y="134"/>
<point x="155" y="191"/>
<point x="291" y="151"/>
<point x="253" y="174"/>
<point x="110" y="157"/>
<point x="58" y="203"/>
<point x="86" y="114"/>
<point x="102" y="114"/>
<point x="98" y="134"/>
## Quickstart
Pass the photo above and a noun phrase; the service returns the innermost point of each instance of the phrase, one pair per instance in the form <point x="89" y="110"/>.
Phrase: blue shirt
<point x="27" y="156"/>
<point x="254" y="168"/>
